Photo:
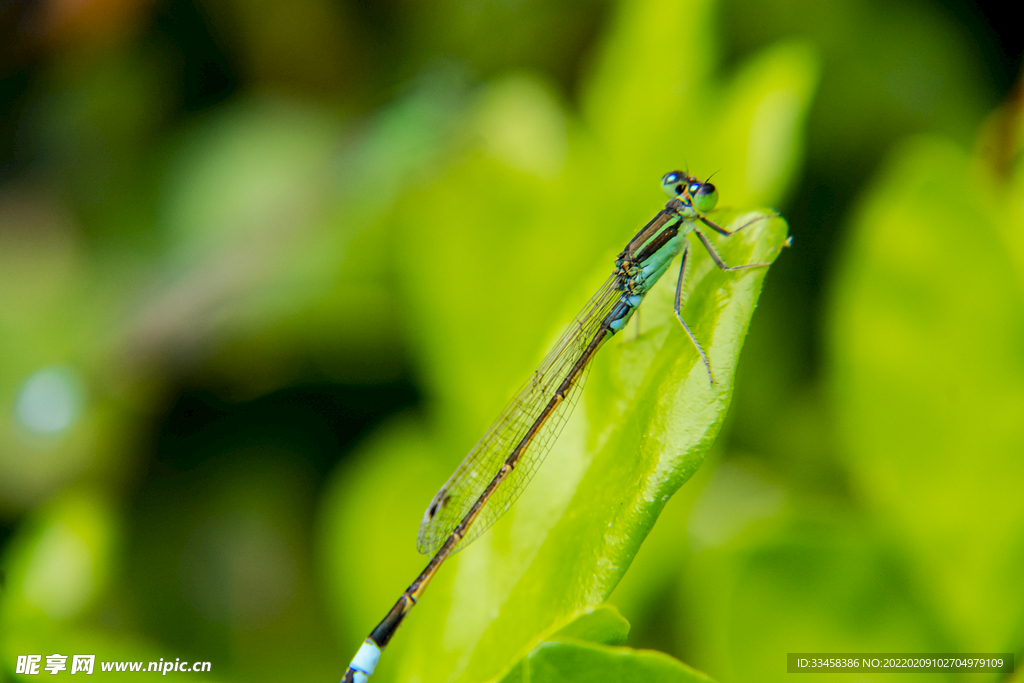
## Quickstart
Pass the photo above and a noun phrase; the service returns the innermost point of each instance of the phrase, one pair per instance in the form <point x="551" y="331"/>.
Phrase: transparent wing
<point x="465" y="486"/>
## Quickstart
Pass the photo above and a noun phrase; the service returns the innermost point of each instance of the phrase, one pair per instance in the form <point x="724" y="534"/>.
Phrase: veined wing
<point x="464" y="487"/>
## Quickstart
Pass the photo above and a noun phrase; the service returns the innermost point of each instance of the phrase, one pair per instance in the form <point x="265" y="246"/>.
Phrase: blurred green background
<point x="268" y="270"/>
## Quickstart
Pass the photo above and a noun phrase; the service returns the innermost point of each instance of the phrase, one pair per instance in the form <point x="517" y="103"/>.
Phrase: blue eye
<point x="674" y="183"/>
<point x="705" y="198"/>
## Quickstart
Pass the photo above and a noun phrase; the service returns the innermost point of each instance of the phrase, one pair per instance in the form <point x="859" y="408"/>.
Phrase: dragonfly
<point x="503" y="462"/>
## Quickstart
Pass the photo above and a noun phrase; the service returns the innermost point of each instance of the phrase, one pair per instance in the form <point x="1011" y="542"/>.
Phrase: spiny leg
<point x="722" y="231"/>
<point x="718" y="259"/>
<point x="679" y="315"/>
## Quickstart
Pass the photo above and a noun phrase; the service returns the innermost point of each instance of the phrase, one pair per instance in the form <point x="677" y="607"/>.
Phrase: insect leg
<point x="722" y="231"/>
<point x="679" y="316"/>
<point x="718" y="259"/>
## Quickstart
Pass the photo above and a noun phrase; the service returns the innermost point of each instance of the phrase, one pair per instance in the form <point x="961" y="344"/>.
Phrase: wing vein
<point x="469" y="481"/>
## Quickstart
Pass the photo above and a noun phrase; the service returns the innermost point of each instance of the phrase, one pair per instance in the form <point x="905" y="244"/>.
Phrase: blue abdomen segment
<point x="623" y="311"/>
<point x="365" y="661"/>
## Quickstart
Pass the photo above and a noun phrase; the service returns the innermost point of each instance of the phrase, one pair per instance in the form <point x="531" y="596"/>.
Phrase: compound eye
<point x="705" y="197"/>
<point x="672" y="183"/>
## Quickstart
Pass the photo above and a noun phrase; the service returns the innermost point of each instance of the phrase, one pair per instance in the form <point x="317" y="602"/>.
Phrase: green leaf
<point x="645" y="423"/>
<point x="928" y="379"/>
<point x="821" y="580"/>
<point x="637" y="61"/>
<point x="602" y="624"/>
<point x="58" y="567"/>
<point x="580" y="662"/>
<point x="494" y="250"/>
<point x="60" y="561"/>
<point x="651" y="102"/>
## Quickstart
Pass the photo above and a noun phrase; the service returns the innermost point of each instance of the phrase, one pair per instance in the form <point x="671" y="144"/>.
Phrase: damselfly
<point x="502" y="463"/>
